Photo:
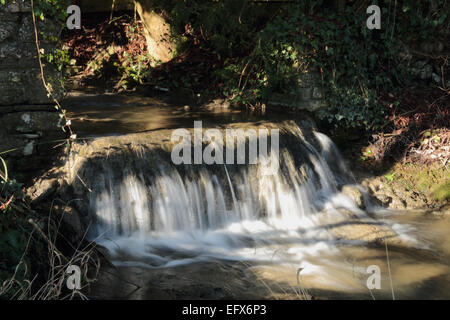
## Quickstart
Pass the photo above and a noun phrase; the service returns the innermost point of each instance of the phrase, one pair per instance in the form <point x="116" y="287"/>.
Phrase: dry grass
<point x="55" y="287"/>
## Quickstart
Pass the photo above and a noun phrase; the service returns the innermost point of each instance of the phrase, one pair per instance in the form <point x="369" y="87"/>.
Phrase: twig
<point x="34" y="224"/>
<point x="389" y="269"/>
<point x="6" y="204"/>
<point x="242" y="74"/>
<point x="41" y="67"/>
<point x="15" y="207"/>
<point x="84" y="184"/>
<point x="112" y="10"/>
<point x="4" y="175"/>
<point x="388" y="264"/>
<point x="301" y="292"/>
<point x="393" y="25"/>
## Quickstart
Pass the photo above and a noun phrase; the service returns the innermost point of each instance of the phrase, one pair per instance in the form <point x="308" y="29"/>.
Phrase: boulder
<point x="354" y="194"/>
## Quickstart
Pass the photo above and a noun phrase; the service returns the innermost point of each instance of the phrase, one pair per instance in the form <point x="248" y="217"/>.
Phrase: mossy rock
<point x="442" y="191"/>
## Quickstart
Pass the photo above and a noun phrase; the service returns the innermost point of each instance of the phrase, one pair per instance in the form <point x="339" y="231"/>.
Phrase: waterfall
<point x="157" y="214"/>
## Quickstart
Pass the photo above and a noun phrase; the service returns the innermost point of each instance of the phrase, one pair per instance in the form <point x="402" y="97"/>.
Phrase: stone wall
<point x="307" y="96"/>
<point x="28" y="119"/>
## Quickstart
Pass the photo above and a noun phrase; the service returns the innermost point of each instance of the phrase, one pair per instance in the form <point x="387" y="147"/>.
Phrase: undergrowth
<point x="248" y="51"/>
<point x="35" y="255"/>
<point x="260" y="49"/>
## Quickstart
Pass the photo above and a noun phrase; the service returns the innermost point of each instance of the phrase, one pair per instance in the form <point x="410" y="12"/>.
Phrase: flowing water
<point x="229" y="231"/>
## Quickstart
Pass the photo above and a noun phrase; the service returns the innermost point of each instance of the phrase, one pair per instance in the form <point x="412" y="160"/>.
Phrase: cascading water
<point x="231" y="231"/>
<point x="193" y="213"/>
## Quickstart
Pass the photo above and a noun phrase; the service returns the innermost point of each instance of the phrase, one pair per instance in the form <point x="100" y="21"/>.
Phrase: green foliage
<point x="356" y="64"/>
<point x="134" y="68"/>
<point x="390" y="176"/>
<point x="228" y="27"/>
<point x="263" y="51"/>
<point x="129" y="63"/>
<point x="54" y="10"/>
<point x="59" y="58"/>
<point x="13" y="232"/>
<point x="13" y="241"/>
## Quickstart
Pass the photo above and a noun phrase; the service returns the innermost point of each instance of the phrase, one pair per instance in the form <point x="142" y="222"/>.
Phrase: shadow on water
<point x="254" y="256"/>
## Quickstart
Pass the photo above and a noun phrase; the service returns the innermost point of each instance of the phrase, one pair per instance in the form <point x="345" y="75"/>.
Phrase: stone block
<point x="7" y="30"/>
<point x="10" y="6"/>
<point x="308" y="80"/>
<point x="7" y="17"/>
<point x="304" y="94"/>
<point x="317" y="93"/>
<point x="26" y="30"/>
<point x="15" y="6"/>
<point x="31" y="122"/>
<point x="30" y="137"/>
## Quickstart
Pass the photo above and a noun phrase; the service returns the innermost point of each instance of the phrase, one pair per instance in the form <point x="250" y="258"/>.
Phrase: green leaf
<point x="390" y="177"/>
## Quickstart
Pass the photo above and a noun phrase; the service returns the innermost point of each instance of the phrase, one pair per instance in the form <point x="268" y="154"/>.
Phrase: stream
<point x="229" y="231"/>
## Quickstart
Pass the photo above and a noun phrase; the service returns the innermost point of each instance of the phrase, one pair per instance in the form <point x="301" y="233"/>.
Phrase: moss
<point x="433" y="181"/>
<point x="442" y="191"/>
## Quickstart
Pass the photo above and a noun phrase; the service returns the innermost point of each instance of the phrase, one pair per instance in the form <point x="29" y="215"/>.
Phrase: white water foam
<point x="243" y="215"/>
